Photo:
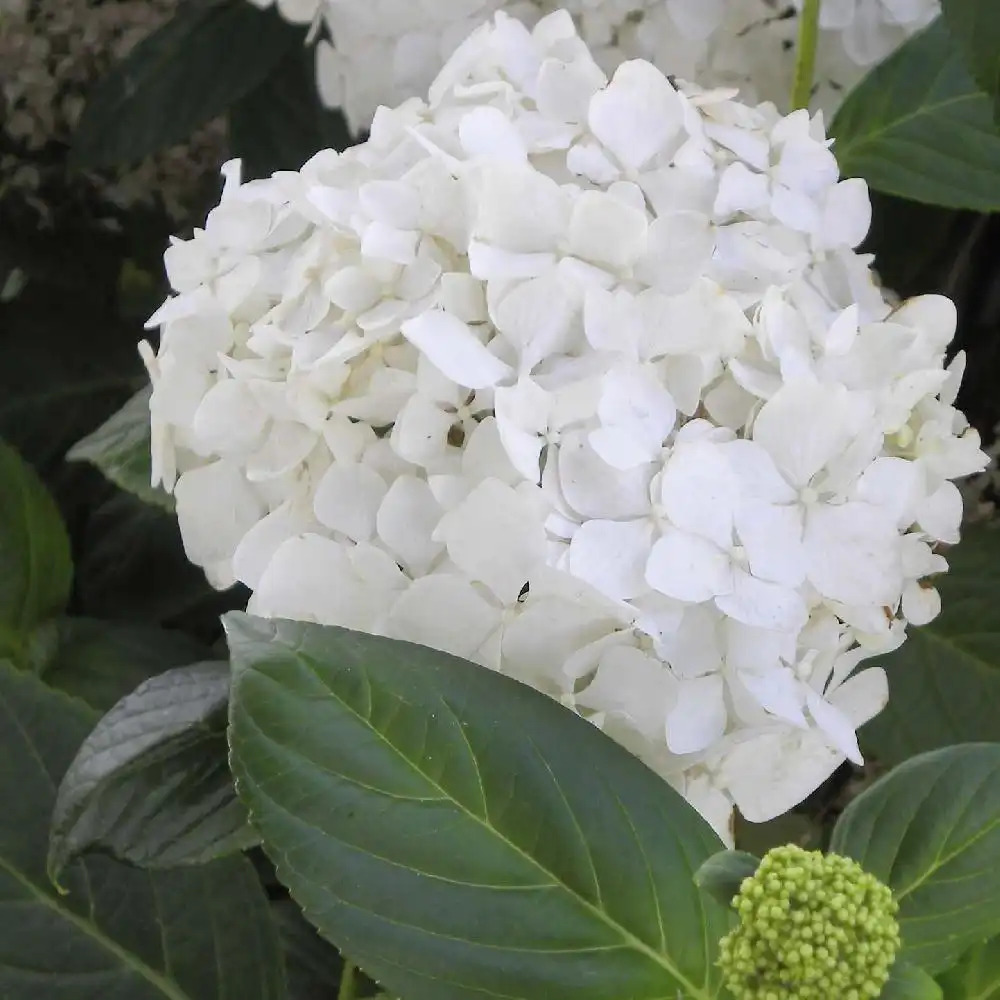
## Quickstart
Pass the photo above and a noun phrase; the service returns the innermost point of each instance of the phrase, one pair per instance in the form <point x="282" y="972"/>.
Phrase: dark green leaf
<point x="120" y="448"/>
<point x="66" y="363"/>
<point x="977" y="974"/>
<point x="101" y="661"/>
<point x="975" y="26"/>
<point x="722" y="874"/>
<point x="457" y="833"/>
<point x="151" y="783"/>
<point x="944" y="681"/>
<point x="118" y="933"/>
<point x="312" y="965"/>
<point x="185" y="74"/>
<point x="917" y="126"/>
<point x="131" y="564"/>
<point x="910" y="982"/>
<point x="930" y="829"/>
<point x="36" y="568"/>
<point x="282" y="123"/>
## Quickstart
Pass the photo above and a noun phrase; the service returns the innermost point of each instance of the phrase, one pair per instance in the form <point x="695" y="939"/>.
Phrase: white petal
<point x="611" y="556"/>
<point x="347" y="500"/>
<point x="895" y="485"/>
<point x="804" y="425"/>
<point x="835" y="726"/>
<point x="637" y="114"/>
<point x="853" y="554"/>
<point x="699" y="716"/>
<point x="779" y="692"/>
<point x="688" y="568"/>
<point x="520" y="209"/>
<point x="940" y="515"/>
<point x="312" y="578"/>
<point x="700" y="491"/>
<point x="216" y="507"/>
<point x="920" y="604"/>
<point x="592" y="489"/>
<point x="454" y="349"/>
<point x="763" y="604"/>
<point x="678" y="250"/>
<point x="443" y="611"/>
<point x="286" y="446"/>
<point x="606" y="231"/>
<point x="228" y="421"/>
<point x="496" y="536"/>
<point x="487" y="131"/>
<point x="258" y="545"/>
<point x="522" y="415"/>
<point x="769" y="774"/>
<point x="420" y="433"/>
<point x="771" y="535"/>
<point x="406" y="521"/>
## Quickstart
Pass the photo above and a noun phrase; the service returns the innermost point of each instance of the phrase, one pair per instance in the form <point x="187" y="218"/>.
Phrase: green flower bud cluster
<point x="812" y="926"/>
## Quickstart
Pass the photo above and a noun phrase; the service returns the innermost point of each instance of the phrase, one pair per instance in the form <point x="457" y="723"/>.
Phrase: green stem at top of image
<point x="805" y="58"/>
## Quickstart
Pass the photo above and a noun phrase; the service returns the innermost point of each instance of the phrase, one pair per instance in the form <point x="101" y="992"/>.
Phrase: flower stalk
<point x="805" y="60"/>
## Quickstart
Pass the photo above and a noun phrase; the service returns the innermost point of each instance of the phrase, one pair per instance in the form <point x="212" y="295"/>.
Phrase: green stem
<point x="346" y="990"/>
<point x="805" y="59"/>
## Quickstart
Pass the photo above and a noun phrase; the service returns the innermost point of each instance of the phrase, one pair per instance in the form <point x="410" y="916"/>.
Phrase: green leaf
<point x="151" y="783"/>
<point x="944" y="681"/>
<point x="101" y="661"/>
<point x="976" y="976"/>
<point x="910" y="982"/>
<point x="120" y="448"/>
<point x="917" y="126"/>
<point x="930" y="829"/>
<point x="131" y="565"/>
<point x="722" y="874"/>
<point x="118" y="933"/>
<point x="281" y="123"/>
<point x="975" y="26"/>
<point x="183" y="75"/>
<point x="312" y="965"/>
<point x="459" y="834"/>
<point x="36" y="568"/>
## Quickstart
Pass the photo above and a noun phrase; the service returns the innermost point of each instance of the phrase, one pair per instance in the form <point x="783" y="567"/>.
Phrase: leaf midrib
<point x="627" y="936"/>
<point x="169" y="989"/>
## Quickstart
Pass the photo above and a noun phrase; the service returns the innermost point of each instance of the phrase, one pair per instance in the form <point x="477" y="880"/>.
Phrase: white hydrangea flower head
<point x="583" y="381"/>
<point x="381" y="52"/>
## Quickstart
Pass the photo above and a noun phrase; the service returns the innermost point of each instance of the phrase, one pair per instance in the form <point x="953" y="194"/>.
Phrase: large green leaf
<point x="910" y="982"/>
<point x="281" y="123"/>
<point x="944" y="681"/>
<point x="102" y="661"/>
<point x="975" y="26"/>
<point x="917" y="126"/>
<point x="930" y="829"/>
<point x="151" y="783"/>
<point x="976" y="976"/>
<point x="460" y="835"/>
<point x="36" y="568"/>
<point x="120" y="448"/>
<point x="185" y="74"/>
<point x="117" y="933"/>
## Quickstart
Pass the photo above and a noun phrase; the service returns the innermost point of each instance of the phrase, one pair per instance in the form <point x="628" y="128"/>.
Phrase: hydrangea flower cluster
<point x="583" y="381"/>
<point x="385" y="51"/>
<point x="811" y="926"/>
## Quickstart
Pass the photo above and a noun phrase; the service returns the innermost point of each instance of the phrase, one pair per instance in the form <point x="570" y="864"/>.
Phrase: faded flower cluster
<point x="584" y="381"/>
<point x="52" y="53"/>
<point x="384" y="51"/>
